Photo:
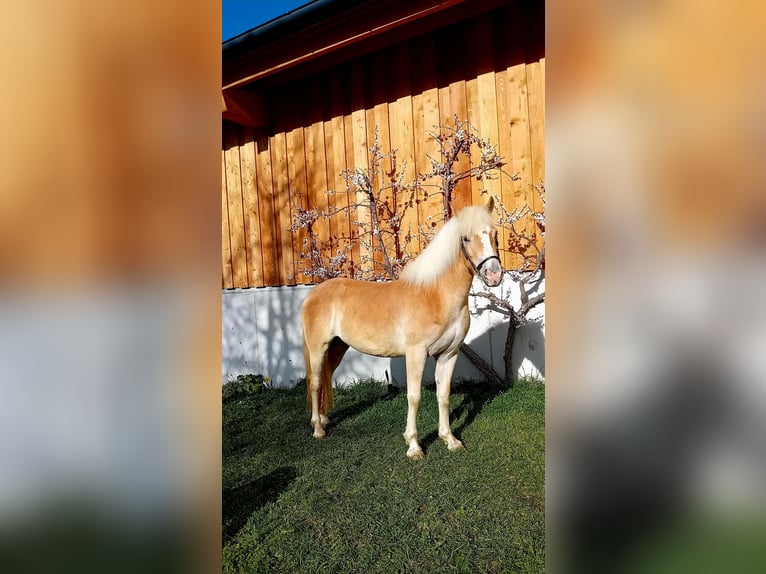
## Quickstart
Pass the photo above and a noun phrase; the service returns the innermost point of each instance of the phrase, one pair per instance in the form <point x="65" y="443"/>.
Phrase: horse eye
<point x="466" y="239"/>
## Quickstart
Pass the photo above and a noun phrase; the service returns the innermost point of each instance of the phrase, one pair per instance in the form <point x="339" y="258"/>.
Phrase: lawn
<point x="355" y="503"/>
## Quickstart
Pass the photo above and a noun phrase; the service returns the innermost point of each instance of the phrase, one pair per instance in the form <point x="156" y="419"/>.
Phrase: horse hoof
<point x="457" y="445"/>
<point x="319" y="435"/>
<point x="416" y="454"/>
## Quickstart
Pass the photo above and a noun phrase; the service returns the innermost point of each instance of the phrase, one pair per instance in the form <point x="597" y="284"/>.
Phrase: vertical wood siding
<point x="489" y="70"/>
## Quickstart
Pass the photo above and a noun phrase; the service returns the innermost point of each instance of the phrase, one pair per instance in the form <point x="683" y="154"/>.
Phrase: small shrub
<point x="244" y="385"/>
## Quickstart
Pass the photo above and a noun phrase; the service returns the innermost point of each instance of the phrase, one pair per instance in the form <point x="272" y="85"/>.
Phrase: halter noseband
<point x="477" y="268"/>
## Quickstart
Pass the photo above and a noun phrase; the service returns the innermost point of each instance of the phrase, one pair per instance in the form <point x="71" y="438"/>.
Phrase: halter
<point x="477" y="268"/>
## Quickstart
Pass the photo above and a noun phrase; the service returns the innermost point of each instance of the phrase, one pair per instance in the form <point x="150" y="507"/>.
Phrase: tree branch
<point x="532" y="303"/>
<point x="482" y="365"/>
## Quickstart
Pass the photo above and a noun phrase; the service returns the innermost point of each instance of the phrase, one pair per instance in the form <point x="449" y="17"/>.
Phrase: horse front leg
<point x="416" y="360"/>
<point x="445" y="364"/>
<point x="315" y="371"/>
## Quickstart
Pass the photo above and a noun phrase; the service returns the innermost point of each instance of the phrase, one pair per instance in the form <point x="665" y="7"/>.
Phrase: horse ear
<point x="490" y="205"/>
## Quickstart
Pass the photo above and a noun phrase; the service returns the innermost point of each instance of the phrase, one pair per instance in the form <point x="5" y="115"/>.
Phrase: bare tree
<point x="379" y="200"/>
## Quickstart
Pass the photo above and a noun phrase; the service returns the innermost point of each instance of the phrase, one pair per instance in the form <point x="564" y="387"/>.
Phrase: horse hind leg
<point x="321" y="362"/>
<point x="314" y="356"/>
<point x="314" y="384"/>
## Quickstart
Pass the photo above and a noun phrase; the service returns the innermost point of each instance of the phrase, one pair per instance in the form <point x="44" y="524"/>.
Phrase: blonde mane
<point x="436" y="258"/>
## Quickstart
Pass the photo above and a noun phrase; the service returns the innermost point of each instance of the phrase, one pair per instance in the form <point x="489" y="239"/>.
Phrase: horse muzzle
<point x="490" y="271"/>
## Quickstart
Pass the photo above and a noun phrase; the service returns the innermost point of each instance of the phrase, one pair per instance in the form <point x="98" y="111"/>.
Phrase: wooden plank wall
<point x="489" y="70"/>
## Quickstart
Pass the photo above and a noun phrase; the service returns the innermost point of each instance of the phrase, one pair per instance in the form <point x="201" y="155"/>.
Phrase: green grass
<point x="355" y="503"/>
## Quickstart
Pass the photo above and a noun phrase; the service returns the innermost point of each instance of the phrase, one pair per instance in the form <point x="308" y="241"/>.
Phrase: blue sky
<point x="242" y="15"/>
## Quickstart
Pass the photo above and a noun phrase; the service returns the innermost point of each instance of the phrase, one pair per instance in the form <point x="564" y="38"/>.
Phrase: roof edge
<point x="291" y="21"/>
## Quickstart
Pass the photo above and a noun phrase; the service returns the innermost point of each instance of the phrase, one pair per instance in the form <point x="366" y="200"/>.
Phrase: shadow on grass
<point x="277" y="414"/>
<point x="476" y="395"/>
<point x="339" y="415"/>
<point x="241" y="502"/>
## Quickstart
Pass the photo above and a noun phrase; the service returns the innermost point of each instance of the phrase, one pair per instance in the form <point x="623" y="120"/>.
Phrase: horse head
<point x="479" y="244"/>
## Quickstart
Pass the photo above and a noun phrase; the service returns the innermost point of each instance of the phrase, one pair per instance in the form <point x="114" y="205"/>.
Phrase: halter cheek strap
<point x="477" y="268"/>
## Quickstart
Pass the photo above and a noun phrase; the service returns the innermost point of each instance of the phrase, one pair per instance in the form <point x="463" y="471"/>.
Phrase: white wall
<point x="262" y="334"/>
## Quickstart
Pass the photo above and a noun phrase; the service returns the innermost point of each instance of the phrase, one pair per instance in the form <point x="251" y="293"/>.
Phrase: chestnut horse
<point x="423" y="313"/>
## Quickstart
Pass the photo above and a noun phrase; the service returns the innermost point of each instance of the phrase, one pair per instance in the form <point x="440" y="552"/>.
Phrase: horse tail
<point x="307" y="360"/>
<point x="325" y="389"/>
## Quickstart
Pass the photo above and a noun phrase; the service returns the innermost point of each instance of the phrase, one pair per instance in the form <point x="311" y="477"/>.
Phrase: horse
<point x="423" y="313"/>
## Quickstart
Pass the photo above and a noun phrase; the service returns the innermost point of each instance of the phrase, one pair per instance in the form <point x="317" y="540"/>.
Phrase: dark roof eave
<point x="293" y="21"/>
